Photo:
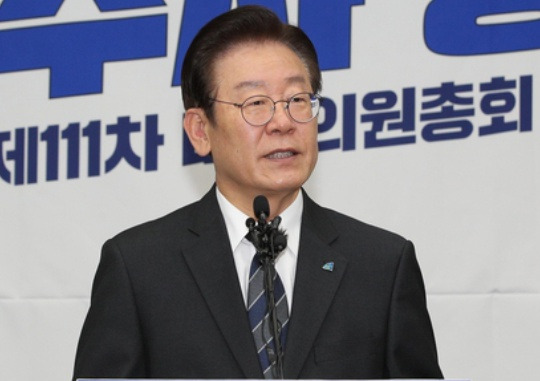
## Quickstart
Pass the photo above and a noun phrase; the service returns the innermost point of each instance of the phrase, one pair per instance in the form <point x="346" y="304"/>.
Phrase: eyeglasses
<point x="259" y="109"/>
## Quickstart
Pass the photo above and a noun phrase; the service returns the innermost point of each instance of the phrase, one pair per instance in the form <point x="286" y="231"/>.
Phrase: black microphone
<point x="269" y="241"/>
<point x="278" y="238"/>
<point x="261" y="207"/>
<point x="267" y="237"/>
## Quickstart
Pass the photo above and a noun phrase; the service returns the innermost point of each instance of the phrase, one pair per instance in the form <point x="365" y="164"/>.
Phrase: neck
<point x="244" y="201"/>
<point x="279" y="203"/>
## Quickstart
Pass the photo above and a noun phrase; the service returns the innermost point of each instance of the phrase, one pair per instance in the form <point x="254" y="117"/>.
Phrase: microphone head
<point x="280" y="241"/>
<point x="250" y="223"/>
<point x="260" y="206"/>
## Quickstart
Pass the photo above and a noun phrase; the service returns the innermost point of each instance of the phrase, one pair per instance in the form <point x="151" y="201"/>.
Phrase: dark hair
<point x="240" y="25"/>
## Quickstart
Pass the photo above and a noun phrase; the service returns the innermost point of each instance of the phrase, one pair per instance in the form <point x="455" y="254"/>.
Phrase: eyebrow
<point x="257" y="84"/>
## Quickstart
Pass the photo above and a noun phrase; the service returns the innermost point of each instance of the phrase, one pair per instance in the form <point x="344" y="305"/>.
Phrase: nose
<point x="281" y="122"/>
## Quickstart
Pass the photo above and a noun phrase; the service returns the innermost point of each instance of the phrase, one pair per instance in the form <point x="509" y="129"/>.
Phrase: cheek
<point x="242" y="144"/>
<point x="310" y="137"/>
<point x="250" y="140"/>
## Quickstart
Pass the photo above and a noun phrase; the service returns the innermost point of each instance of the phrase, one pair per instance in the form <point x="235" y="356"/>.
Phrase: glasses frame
<point x="286" y="101"/>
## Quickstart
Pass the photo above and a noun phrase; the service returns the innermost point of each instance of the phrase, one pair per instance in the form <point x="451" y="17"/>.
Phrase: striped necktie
<point x="259" y="318"/>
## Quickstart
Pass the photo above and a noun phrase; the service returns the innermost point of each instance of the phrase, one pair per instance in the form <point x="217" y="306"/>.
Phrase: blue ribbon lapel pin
<point x="328" y="266"/>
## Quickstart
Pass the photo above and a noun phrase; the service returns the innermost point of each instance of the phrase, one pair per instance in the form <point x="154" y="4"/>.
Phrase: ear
<point x="195" y="125"/>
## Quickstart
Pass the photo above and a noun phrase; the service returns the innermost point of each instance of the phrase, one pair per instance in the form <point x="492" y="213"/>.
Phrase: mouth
<point x="281" y="154"/>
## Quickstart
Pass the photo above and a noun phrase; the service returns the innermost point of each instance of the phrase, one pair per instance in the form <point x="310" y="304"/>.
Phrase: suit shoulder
<point x="351" y="233"/>
<point x="368" y="245"/>
<point x="169" y="225"/>
<point x="352" y="225"/>
<point x="346" y="224"/>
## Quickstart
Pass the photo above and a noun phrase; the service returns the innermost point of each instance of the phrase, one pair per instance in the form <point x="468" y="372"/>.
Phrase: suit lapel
<point x="314" y="288"/>
<point x="211" y="262"/>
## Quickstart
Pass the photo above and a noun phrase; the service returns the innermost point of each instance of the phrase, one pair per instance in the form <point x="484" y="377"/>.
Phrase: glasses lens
<point x="258" y="110"/>
<point x="303" y="107"/>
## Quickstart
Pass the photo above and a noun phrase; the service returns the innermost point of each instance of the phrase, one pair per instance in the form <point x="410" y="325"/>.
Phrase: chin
<point x="287" y="185"/>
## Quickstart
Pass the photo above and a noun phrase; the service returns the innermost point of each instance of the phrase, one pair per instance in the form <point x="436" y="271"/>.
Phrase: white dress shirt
<point x="243" y="250"/>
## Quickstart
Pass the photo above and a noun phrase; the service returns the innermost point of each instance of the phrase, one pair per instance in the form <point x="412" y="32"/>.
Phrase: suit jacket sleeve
<point x="111" y="341"/>
<point x="411" y="350"/>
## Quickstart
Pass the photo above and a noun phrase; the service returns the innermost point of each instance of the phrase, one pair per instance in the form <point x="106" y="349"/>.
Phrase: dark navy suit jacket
<point x="166" y="303"/>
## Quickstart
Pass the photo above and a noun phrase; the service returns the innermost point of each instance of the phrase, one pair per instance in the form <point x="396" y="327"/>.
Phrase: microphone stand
<point x="269" y="241"/>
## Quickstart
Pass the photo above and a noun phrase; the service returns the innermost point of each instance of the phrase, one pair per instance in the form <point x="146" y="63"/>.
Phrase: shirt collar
<point x="235" y="221"/>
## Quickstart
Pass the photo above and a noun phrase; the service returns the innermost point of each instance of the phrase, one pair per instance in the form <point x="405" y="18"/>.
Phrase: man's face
<point x="273" y="159"/>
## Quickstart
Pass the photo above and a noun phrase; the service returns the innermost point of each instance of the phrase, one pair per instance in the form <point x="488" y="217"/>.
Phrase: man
<point x="170" y="297"/>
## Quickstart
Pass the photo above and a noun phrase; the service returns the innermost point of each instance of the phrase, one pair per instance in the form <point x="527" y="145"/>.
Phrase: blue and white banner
<point x="430" y="127"/>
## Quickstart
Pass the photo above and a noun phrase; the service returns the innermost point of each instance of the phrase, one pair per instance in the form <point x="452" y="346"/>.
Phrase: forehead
<point x="254" y="65"/>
